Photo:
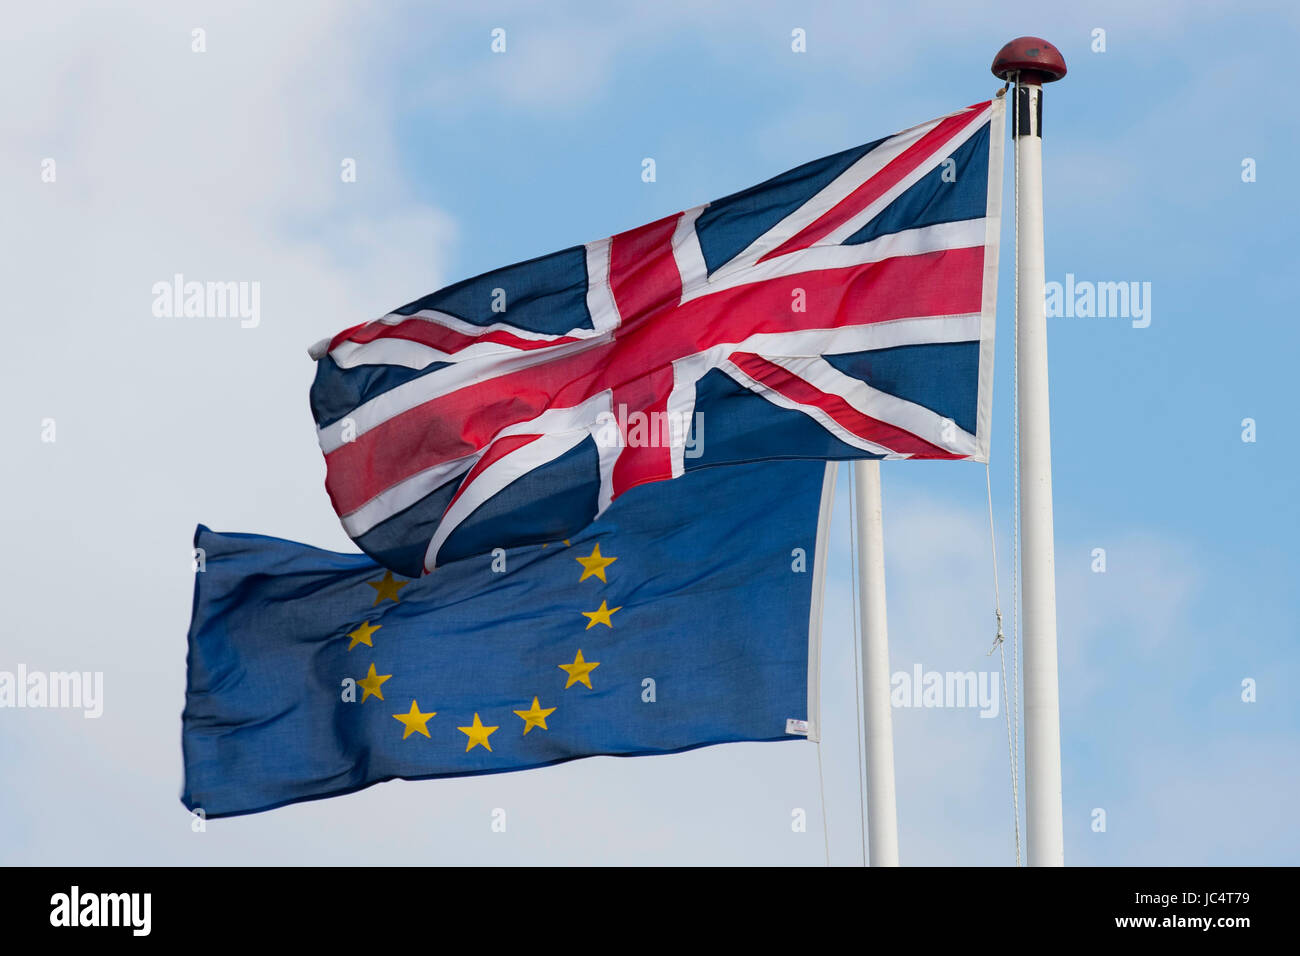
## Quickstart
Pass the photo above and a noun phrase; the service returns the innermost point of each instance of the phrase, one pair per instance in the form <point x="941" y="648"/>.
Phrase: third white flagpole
<point x="877" y="719"/>
<point x="1031" y="62"/>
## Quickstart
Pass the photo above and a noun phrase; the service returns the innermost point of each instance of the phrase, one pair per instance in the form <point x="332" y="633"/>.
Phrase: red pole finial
<point x="1036" y="60"/>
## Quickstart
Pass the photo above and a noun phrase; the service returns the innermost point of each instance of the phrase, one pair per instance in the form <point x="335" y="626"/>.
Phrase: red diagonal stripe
<point x="495" y="452"/>
<point x="877" y="185"/>
<point x="440" y="336"/>
<point x="782" y="380"/>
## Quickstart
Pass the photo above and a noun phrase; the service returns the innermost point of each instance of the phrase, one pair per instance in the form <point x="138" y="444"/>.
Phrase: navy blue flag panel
<point x="687" y="615"/>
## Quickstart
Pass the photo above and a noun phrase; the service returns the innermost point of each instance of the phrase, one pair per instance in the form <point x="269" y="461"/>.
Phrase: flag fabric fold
<point x="843" y="309"/>
<point x="670" y="623"/>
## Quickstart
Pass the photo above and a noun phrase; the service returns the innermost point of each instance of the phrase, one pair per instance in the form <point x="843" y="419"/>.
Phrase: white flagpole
<point x="1031" y="62"/>
<point x="877" y="719"/>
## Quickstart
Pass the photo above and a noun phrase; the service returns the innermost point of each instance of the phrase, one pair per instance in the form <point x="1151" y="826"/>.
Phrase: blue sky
<point x="225" y="164"/>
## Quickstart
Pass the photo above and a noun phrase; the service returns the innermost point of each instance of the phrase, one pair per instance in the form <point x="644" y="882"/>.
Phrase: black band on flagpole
<point x="1022" y="122"/>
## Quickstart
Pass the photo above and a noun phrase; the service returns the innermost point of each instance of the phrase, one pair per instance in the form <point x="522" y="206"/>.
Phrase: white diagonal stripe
<point x="812" y="411"/>
<point x="560" y="429"/>
<point x="829" y="196"/>
<point x="924" y="168"/>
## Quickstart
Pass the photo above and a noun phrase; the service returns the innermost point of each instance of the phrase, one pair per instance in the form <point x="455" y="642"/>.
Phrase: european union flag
<point x="682" y="618"/>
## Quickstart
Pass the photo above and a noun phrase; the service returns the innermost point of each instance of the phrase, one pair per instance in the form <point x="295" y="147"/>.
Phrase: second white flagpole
<point x="877" y="719"/>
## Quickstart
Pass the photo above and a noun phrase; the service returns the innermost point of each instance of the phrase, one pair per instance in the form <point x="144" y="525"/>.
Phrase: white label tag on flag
<point x="793" y="726"/>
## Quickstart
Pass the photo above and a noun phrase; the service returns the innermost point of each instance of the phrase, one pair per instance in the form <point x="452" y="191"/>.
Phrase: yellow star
<point x="578" y="671"/>
<point x="371" y="684"/>
<point x="600" y="615"/>
<point x="415" y="721"/>
<point x="362" y="635"/>
<point x="477" y="734"/>
<point x="387" y="588"/>
<point x="535" y="716"/>
<point x="595" y="564"/>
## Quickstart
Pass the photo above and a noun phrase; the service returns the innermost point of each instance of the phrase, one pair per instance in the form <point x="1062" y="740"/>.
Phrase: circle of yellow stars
<point x="416" y="721"/>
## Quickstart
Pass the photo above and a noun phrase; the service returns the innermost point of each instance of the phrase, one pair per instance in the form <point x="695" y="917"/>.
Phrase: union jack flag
<point x="843" y="309"/>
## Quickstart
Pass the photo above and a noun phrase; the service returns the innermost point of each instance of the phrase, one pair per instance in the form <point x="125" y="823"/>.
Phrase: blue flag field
<point x="670" y="623"/>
